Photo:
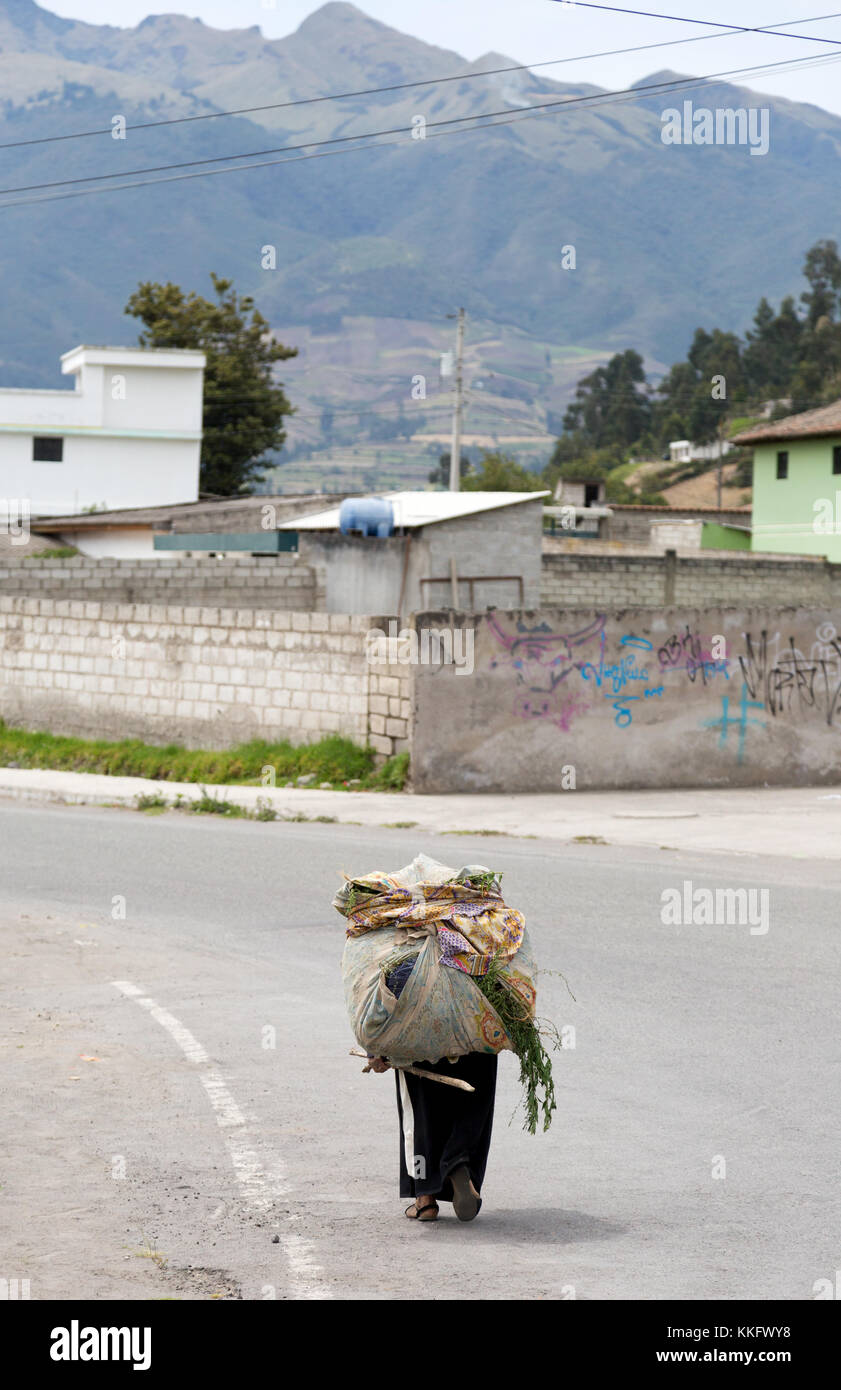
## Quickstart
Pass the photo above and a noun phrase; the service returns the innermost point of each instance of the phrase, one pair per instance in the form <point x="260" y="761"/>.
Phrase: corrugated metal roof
<point x="413" y="509"/>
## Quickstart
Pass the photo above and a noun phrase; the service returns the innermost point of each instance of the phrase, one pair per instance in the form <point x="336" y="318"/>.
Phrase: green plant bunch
<point x="526" y="1035"/>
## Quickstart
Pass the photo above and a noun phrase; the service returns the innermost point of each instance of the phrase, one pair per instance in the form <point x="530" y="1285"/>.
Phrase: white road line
<point x="260" y="1189"/>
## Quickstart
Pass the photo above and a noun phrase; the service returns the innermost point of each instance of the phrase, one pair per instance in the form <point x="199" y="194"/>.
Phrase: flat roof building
<point x="128" y="434"/>
<point x="466" y="550"/>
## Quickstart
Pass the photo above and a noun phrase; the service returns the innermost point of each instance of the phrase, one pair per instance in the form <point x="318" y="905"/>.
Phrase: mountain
<point x="374" y="248"/>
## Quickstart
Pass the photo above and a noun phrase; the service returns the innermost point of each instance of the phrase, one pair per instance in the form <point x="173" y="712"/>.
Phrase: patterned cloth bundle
<point x="449" y="926"/>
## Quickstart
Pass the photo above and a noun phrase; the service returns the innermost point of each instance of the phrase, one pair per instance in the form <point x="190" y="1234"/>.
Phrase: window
<point x="782" y="463"/>
<point x="591" y="494"/>
<point x="47" y="449"/>
<point x="836" y="459"/>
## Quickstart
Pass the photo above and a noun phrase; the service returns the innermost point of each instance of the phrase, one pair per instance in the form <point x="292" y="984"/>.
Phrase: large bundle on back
<point x="437" y="965"/>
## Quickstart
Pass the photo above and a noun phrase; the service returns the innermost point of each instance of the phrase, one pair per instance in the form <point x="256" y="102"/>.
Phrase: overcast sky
<point x="535" y="30"/>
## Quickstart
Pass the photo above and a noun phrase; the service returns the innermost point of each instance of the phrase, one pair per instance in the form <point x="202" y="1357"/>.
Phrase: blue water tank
<point x="373" y="516"/>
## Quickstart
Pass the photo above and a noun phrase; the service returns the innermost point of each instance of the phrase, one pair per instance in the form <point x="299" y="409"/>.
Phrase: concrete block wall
<point x="503" y="541"/>
<point x="271" y="581"/>
<point x="694" y="696"/>
<point x="755" y="582"/>
<point x="601" y="580"/>
<point x="202" y="676"/>
<point x="631" y="523"/>
<point x="389" y="701"/>
<point x="650" y="581"/>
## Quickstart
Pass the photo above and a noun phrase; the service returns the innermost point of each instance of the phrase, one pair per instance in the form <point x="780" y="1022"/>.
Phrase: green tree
<point x="499" y="472"/>
<point x="244" y="407"/>
<point x="696" y="395"/>
<point x="440" y="474"/>
<point x="822" y="268"/>
<point x="773" y="349"/>
<point x="817" y="378"/>
<point x="584" y="466"/>
<point x="676" y="394"/>
<point x="610" y="405"/>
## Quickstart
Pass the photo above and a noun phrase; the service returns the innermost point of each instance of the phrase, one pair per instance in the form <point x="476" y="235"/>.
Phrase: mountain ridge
<point x="666" y="238"/>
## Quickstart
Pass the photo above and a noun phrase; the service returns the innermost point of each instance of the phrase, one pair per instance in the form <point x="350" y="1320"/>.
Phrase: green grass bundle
<point x="526" y="1036"/>
<point x="525" y="1033"/>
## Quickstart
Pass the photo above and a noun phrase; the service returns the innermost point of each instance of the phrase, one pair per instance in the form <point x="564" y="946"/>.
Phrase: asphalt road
<point x="182" y="1119"/>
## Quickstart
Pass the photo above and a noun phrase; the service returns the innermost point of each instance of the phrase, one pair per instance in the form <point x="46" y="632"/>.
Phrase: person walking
<point x="420" y="944"/>
<point x="445" y="1134"/>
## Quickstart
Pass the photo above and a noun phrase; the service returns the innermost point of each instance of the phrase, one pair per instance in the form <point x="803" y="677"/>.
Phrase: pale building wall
<point x="131" y="432"/>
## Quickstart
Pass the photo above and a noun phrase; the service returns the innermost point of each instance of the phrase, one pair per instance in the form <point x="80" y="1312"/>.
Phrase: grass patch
<point x="474" y="832"/>
<point x="392" y="776"/>
<point x="150" y="1253"/>
<point x="399" y="824"/>
<point x="207" y="805"/>
<point x="333" y="759"/>
<point x="53" y="552"/>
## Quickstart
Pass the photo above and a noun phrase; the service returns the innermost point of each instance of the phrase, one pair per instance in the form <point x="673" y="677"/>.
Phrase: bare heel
<point x="466" y="1200"/>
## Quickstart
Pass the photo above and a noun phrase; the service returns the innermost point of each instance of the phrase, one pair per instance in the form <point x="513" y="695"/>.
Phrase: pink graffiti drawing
<point x="542" y="660"/>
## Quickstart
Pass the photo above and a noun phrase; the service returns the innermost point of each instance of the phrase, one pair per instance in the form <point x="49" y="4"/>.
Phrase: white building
<point x="684" y="451"/>
<point x="128" y="435"/>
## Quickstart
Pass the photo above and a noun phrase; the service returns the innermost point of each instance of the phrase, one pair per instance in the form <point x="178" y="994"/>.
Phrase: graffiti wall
<point x="638" y="698"/>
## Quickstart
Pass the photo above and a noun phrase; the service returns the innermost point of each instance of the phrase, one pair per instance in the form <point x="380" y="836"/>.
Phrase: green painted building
<point x="797" y="483"/>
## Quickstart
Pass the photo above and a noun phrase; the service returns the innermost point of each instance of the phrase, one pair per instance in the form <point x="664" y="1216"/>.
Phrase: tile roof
<point x="825" y="420"/>
<point x="666" y="509"/>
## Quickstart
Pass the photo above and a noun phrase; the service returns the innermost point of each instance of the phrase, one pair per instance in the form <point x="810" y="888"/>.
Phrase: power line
<point x="724" y="31"/>
<point x="508" y="117"/>
<point x="775" y="29"/>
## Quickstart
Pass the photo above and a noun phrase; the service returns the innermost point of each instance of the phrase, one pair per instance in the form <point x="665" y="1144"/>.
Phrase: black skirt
<point x="443" y="1127"/>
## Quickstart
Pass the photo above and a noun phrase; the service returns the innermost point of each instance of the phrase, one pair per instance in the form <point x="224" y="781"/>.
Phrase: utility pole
<point x="455" y="447"/>
<point x="718" y="470"/>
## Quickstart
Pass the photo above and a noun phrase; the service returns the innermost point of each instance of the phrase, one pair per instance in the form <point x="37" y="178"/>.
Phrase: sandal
<point x="466" y="1200"/>
<point x="427" y="1213"/>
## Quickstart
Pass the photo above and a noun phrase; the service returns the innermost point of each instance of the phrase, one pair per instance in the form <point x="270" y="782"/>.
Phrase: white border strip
<point x="408" y="1125"/>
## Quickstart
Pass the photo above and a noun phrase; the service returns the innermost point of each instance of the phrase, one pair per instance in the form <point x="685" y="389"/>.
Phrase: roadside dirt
<point x="79" y="1218"/>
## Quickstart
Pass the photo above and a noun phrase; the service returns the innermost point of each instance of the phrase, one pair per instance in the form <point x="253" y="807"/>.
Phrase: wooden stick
<point x="420" y="1071"/>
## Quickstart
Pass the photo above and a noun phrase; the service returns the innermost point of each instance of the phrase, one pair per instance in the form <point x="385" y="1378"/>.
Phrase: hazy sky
<point x="536" y="30"/>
